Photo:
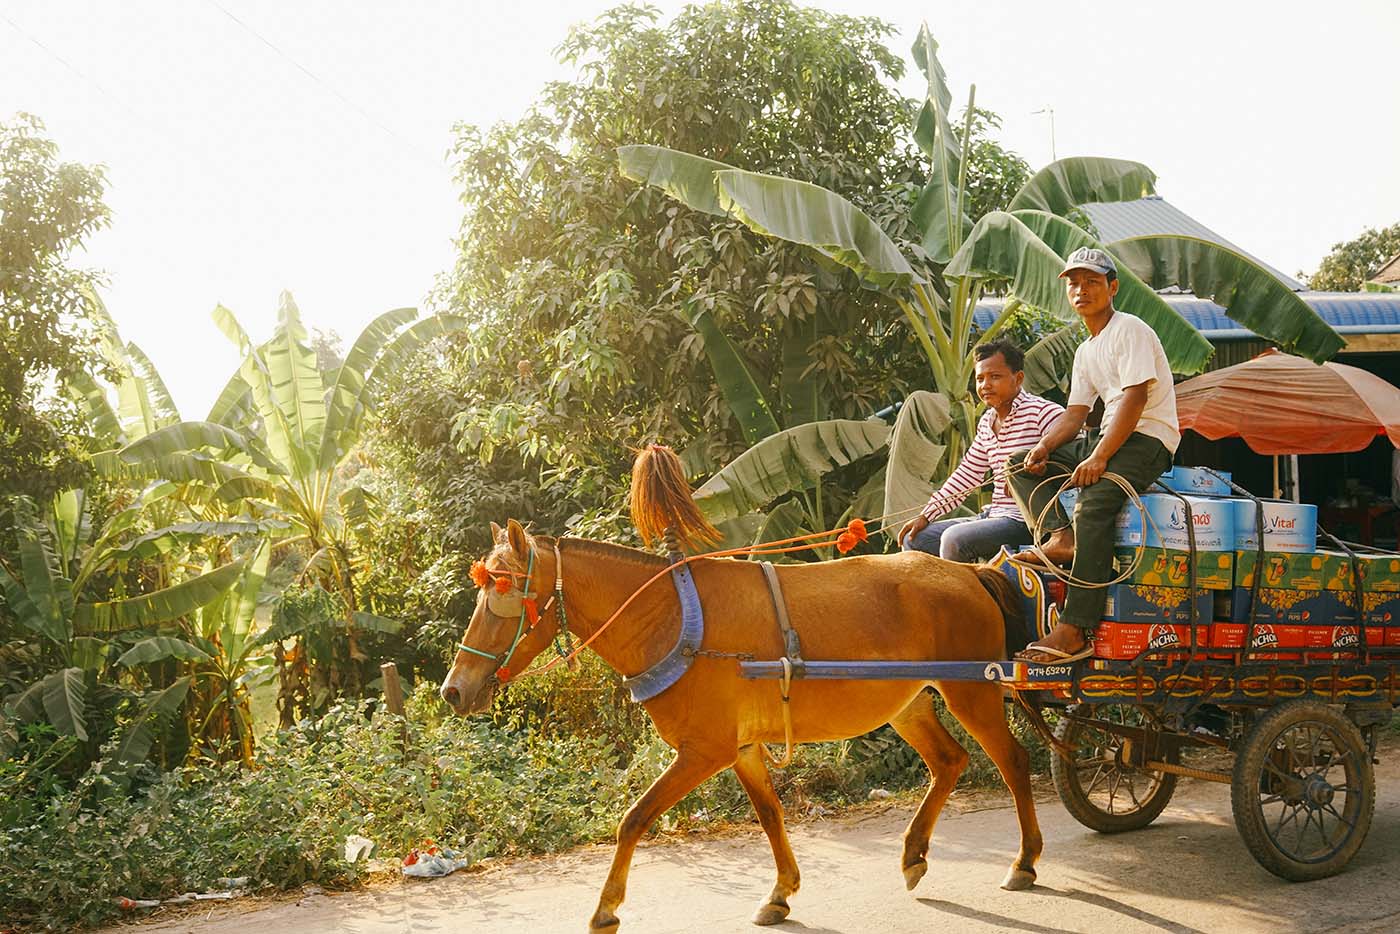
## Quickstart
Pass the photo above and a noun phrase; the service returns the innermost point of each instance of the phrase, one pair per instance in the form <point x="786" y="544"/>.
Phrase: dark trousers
<point x="1140" y="461"/>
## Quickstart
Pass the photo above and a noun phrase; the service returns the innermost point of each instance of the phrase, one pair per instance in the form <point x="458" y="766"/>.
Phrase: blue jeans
<point x="971" y="538"/>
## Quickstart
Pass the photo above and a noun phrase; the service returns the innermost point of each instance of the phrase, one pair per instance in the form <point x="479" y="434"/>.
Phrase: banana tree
<point x="278" y="433"/>
<point x="78" y="632"/>
<point x="1020" y="251"/>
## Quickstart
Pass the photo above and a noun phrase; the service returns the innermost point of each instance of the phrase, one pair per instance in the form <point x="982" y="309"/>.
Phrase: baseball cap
<point x="1089" y="258"/>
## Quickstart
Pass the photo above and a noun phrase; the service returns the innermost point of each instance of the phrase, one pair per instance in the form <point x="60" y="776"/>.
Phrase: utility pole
<point x="1051" y="112"/>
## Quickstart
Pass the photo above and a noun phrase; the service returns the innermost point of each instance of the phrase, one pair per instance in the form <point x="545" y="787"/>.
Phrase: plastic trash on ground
<point x="357" y="848"/>
<point x="432" y="862"/>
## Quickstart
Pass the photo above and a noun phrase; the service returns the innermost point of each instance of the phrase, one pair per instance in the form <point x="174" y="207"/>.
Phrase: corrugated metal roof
<point x="1348" y="312"/>
<point x="1155" y="215"/>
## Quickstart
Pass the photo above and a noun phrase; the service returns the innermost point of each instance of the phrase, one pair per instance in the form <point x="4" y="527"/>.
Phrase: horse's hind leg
<point x="753" y="775"/>
<point x="687" y="771"/>
<point x="979" y="708"/>
<point x="946" y="759"/>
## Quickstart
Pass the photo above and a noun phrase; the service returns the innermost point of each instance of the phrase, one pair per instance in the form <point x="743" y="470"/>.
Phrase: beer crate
<point x="1121" y="641"/>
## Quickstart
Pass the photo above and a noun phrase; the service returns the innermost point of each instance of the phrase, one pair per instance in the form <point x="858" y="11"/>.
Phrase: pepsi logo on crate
<point x="1140" y="603"/>
<point x="1161" y="523"/>
<point x="1197" y="481"/>
<point x="1287" y="526"/>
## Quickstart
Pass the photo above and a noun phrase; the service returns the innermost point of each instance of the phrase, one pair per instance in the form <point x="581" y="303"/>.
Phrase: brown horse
<point x="909" y="606"/>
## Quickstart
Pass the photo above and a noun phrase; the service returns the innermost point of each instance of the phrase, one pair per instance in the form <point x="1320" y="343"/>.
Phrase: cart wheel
<point x="1303" y="791"/>
<point x="1098" y="789"/>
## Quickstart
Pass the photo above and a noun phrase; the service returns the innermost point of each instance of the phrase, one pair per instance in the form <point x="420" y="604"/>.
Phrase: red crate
<point x="1120" y="641"/>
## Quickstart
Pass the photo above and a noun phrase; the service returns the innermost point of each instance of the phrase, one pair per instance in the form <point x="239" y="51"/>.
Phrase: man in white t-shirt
<point x="1123" y="364"/>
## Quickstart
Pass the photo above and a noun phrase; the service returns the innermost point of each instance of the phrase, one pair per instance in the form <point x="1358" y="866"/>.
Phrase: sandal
<point x="1057" y="656"/>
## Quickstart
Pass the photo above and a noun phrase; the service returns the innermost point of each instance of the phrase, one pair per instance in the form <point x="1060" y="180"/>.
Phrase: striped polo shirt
<point x="1026" y="424"/>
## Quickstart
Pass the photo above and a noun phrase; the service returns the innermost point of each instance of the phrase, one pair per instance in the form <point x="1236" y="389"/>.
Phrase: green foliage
<point x="1351" y="263"/>
<point x="48" y="209"/>
<point x="483" y="788"/>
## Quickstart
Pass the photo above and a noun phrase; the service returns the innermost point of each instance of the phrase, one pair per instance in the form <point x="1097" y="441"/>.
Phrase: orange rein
<point x="846" y="539"/>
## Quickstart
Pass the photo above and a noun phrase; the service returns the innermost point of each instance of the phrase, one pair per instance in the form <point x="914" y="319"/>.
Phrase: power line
<point x="327" y="87"/>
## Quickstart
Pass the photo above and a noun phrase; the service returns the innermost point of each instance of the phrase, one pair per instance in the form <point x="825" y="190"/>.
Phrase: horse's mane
<point x="660" y="500"/>
<point x="589" y="547"/>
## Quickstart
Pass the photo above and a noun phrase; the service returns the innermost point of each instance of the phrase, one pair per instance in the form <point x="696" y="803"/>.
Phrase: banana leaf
<point x="138" y="735"/>
<point x="165" y="540"/>
<point x="159" y="400"/>
<point x="295" y="381"/>
<point x="1064" y="185"/>
<point x="234" y="406"/>
<point x="373" y="623"/>
<point x="1249" y="292"/>
<point x="65" y="702"/>
<point x="1187" y="350"/>
<point x="739" y="532"/>
<point x="915" y="453"/>
<point x="350" y="380"/>
<point x="936" y="213"/>
<point x="795" y="459"/>
<point x="98" y="414"/>
<point x="736" y="383"/>
<point x="159" y="606"/>
<point x="687" y="178"/>
<point x="359" y="507"/>
<point x="228" y="325"/>
<point x="1050" y="360"/>
<point x="159" y="648"/>
<point x="48" y="592"/>
<point x="807" y="214"/>
<point x="191" y="436"/>
<point x="395" y="355"/>
<point x="1001" y="246"/>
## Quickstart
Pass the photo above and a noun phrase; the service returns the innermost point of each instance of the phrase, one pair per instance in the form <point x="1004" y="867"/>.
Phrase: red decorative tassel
<point x="503" y="674"/>
<point x="502" y="584"/>
<point x="845" y="542"/>
<point x="480" y="576"/>
<point x="532" y="611"/>
<point x="857" y="528"/>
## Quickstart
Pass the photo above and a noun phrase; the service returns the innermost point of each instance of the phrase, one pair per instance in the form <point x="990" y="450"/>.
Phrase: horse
<point x="907" y="606"/>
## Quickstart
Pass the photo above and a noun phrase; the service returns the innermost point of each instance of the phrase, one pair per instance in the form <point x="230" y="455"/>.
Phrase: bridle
<point x="526" y="622"/>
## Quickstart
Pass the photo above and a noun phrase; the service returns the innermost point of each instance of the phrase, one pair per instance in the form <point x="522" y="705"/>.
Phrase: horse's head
<point x="507" y="628"/>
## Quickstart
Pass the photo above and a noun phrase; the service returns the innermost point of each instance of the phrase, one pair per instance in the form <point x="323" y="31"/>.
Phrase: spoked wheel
<point x="1099" y="789"/>
<point x="1303" y="791"/>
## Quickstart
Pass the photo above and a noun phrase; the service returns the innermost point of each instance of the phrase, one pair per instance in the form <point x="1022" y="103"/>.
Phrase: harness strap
<point x="792" y="645"/>
<point x="792" y="662"/>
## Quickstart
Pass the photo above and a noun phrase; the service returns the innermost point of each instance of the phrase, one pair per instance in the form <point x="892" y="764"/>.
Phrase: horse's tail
<point x="1013" y="613"/>
<point x="661" y="500"/>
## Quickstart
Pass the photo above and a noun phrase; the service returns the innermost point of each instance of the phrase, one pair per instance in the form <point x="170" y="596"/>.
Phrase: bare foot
<point x="1059" y="548"/>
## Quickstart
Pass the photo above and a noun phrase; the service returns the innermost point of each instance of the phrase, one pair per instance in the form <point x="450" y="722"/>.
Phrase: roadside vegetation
<point x="194" y="606"/>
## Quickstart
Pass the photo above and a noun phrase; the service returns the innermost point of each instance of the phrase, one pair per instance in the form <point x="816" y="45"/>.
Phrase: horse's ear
<point x="518" y="539"/>
<point x="495" y="534"/>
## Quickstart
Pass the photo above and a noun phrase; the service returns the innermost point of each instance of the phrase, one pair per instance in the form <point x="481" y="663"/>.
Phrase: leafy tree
<point x="595" y="300"/>
<point x="1350" y="264"/>
<point x="937" y="281"/>
<point x="47" y="210"/>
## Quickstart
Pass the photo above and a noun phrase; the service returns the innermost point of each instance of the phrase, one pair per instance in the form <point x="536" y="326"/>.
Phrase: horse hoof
<point x="771" y="913"/>
<point x="1018" y="880"/>
<point x="605" y="924"/>
<point x="914" y="872"/>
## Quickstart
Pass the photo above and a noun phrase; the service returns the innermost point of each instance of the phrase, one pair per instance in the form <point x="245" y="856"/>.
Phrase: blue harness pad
<point x="676" y="662"/>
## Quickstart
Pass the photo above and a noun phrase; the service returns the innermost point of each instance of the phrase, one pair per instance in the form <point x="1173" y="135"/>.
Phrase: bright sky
<point x="257" y="145"/>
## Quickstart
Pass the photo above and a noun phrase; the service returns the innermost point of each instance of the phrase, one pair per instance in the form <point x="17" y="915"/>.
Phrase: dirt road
<point x="1188" y="872"/>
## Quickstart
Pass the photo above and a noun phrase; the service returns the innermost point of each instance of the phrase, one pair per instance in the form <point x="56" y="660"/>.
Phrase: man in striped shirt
<point x="1014" y="421"/>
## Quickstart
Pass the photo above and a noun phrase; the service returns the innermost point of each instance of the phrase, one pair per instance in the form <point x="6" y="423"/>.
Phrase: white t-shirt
<point x="1125" y="353"/>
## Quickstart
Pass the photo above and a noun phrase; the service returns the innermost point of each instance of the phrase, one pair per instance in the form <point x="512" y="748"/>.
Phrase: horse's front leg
<point x="753" y="775"/>
<point x="685" y="772"/>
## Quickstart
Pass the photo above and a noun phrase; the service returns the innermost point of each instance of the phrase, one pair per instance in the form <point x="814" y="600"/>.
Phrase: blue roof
<point x="1346" y="312"/>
